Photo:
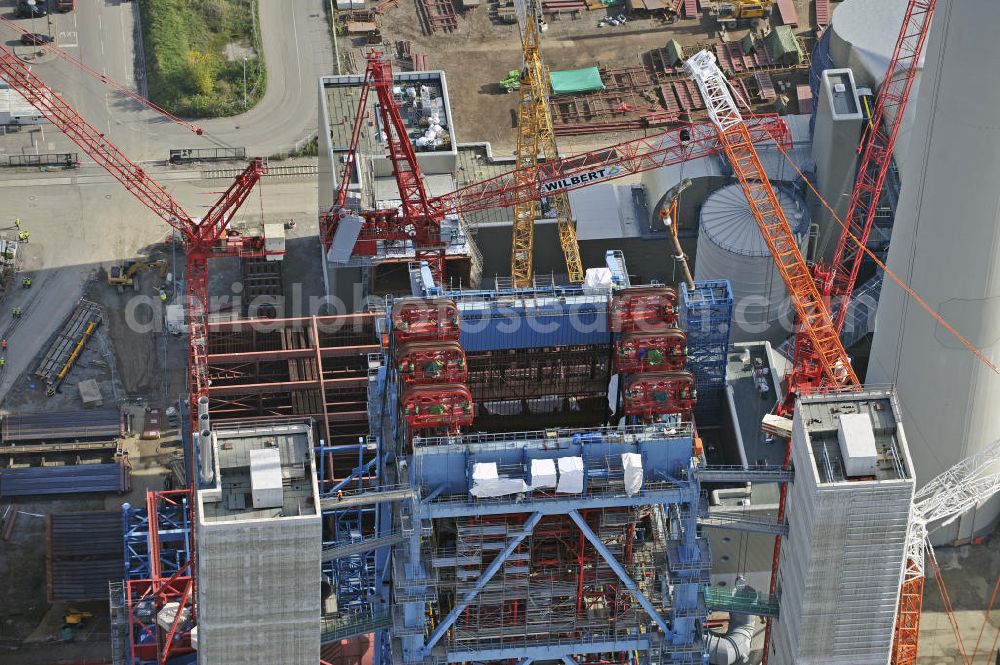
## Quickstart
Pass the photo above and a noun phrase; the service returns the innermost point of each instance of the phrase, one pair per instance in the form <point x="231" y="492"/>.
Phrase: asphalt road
<point x="81" y="220"/>
<point x="103" y="35"/>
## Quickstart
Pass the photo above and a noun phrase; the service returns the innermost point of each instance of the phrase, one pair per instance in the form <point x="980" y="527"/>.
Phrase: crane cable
<point x="54" y="49"/>
<point x="946" y="600"/>
<point x="913" y="294"/>
<point x="986" y="620"/>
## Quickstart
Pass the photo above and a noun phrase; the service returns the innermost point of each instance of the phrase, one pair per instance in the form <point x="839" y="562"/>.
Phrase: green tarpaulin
<point x="675" y="54"/>
<point x="783" y="46"/>
<point x="576" y="80"/>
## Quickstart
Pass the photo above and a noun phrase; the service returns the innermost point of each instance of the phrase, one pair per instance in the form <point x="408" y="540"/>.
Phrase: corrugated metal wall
<point x="64" y="426"/>
<point x="85" y="552"/>
<point x="73" y="479"/>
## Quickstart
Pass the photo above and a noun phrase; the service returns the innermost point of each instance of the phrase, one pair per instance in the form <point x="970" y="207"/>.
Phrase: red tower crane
<point x="877" y="147"/>
<point x="672" y="146"/>
<point x="416" y="220"/>
<point x="203" y="238"/>
<point x="836" y="283"/>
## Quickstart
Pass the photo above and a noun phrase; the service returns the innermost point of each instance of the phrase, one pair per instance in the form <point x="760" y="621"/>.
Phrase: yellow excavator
<point x="127" y="274"/>
<point x="732" y="12"/>
<point x="76" y="617"/>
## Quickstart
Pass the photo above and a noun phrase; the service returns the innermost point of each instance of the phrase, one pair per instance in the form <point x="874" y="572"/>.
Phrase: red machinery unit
<point x="416" y="221"/>
<point x="424" y="319"/>
<point x="658" y="393"/>
<point x="437" y="407"/>
<point x="431" y="362"/>
<point x="655" y="351"/>
<point x="643" y="308"/>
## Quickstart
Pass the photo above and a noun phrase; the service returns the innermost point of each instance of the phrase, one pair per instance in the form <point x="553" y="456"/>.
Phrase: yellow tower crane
<point x="535" y="136"/>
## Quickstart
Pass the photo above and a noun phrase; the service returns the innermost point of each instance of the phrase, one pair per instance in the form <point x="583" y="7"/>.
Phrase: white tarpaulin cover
<point x="597" y="280"/>
<point x="543" y="473"/>
<point x="570" y="475"/>
<point x="487" y="483"/>
<point x="632" y="463"/>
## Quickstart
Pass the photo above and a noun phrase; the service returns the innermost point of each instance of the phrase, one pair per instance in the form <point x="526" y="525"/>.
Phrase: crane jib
<point x="579" y="179"/>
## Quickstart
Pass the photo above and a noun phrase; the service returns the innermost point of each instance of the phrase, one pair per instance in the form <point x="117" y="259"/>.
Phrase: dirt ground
<point x="128" y="364"/>
<point x="480" y="52"/>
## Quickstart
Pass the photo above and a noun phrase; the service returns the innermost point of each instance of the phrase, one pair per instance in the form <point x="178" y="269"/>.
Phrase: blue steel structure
<point x="158" y="546"/>
<point x="174" y="533"/>
<point x="662" y="621"/>
<point x="387" y="522"/>
<point x="706" y="315"/>
<point x="358" y="580"/>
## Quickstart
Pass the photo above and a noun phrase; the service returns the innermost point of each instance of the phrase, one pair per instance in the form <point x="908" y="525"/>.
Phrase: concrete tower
<point x="848" y="510"/>
<point x="946" y="246"/>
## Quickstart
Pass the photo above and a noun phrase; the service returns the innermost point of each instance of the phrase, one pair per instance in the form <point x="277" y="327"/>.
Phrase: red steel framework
<point x="417" y="220"/>
<point x="643" y="308"/>
<point x="561" y="566"/>
<point x="653" y="394"/>
<point x="203" y="238"/>
<point x="145" y="598"/>
<point x="651" y="351"/>
<point x="672" y="146"/>
<point x="432" y="366"/>
<point x="424" y="319"/>
<point x="431" y="362"/>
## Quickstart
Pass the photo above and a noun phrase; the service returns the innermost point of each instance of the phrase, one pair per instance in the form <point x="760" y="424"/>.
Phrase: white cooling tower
<point x="946" y="246"/>
<point x="731" y="247"/>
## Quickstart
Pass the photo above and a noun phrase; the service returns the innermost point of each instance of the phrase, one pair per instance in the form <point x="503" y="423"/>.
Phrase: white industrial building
<point x="944" y="247"/>
<point x="848" y="512"/>
<point x="259" y="539"/>
<point x="15" y="109"/>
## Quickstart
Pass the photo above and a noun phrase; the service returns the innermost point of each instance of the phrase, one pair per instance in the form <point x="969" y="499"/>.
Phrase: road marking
<point x="35" y="182"/>
<point x="298" y="60"/>
<point x="68" y="39"/>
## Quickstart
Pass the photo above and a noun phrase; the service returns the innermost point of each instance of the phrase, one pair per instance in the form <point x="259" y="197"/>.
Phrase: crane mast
<point x="942" y="500"/>
<point x="417" y="220"/>
<point x="877" y="151"/>
<point x="737" y="144"/>
<point x="672" y="146"/>
<point x="815" y="322"/>
<point x="535" y="134"/>
<point x="203" y="238"/>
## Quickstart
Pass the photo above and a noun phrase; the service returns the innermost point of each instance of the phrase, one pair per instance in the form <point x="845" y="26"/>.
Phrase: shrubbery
<point x="187" y="70"/>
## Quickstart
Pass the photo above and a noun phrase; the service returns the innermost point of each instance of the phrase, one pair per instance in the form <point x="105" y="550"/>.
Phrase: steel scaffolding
<point x="707" y="317"/>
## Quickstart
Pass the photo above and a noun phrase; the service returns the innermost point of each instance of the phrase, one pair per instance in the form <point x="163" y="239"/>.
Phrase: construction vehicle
<point x="76" y="617"/>
<point x="512" y="81"/>
<point x="732" y="13"/>
<point x="127" y="274"/>
<point x="204" y="237"/>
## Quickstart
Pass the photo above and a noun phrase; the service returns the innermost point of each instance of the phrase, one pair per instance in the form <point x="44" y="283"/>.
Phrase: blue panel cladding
<point x="74" y="479"/>
<point x="707" y="317"/>
<point x="541" y="319"/>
